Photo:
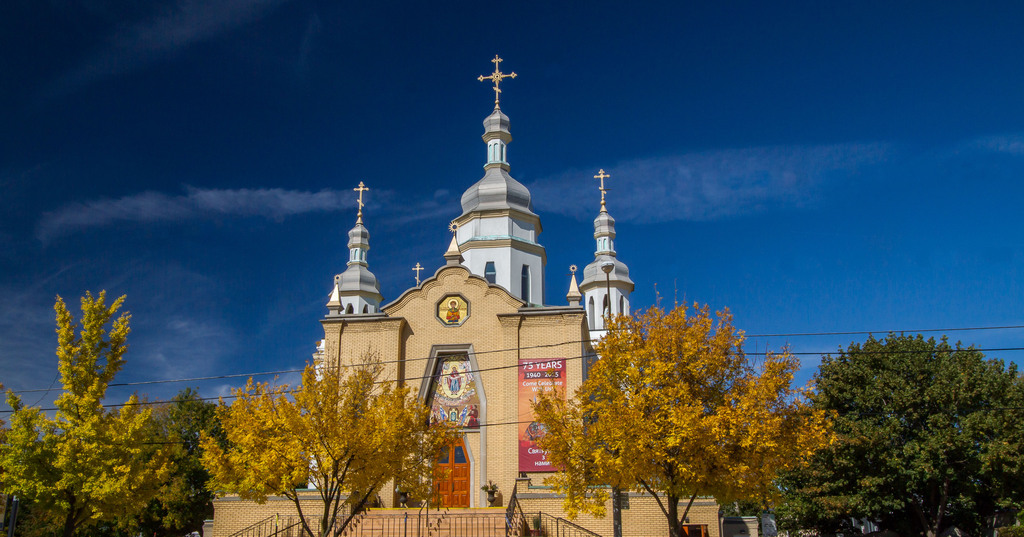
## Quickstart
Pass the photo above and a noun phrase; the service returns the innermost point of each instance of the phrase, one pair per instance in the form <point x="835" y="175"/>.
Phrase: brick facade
<point x="497" y="332"/>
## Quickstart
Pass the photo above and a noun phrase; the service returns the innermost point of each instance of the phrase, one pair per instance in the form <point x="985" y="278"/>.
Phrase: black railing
<point x="263" y="528"/>
<point x="552" y="526"/>
<point x="431" y="524"/>
<point x="274" y="526"/>
<point x="515" y="522"/>
<point x="291" y="526"/>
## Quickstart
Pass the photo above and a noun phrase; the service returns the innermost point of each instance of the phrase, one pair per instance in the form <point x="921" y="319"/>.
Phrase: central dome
<point x="496" y="190"/>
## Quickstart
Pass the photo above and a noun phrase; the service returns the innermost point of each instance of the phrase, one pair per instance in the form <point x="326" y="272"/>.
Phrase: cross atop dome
<point x="360" y="189"/>
<point x="602" y="176"/>
<point x="497" y="76"/>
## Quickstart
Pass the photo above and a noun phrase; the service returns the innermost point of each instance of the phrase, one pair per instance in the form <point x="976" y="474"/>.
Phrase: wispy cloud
<point x="1008" y="144"/>
<point x="27" y="340"/>
<point x="177" y="26"/>
<point x="196" y="203"/>
<point x="313" y="30"/>
<point x="173" y="334"/>
<point x="709" y="185"/>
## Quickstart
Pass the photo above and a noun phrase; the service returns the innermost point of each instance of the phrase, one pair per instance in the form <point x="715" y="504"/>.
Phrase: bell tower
<point x="606" y="285"/>
<point x="497" y="231"/>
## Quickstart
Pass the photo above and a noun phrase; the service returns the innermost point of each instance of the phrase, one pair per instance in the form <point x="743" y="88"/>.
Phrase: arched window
<point x="489" y="273"/>
<point x="526" y="284"/>
<point x="366" y="309"/>
<point x="606" y="308"/>
<point x="592" y="325"/>
<point x="349" y="309"/>
<point x="622" y="311"/>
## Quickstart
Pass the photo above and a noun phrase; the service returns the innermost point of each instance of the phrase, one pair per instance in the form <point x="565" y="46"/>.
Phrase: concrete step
<point x="485" y="522"/>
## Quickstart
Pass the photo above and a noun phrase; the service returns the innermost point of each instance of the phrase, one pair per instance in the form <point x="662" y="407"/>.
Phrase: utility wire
<point x="516" y="365"/>
<point x="299" y="370"/>
<point x="548" y="345"/>
<point x="865" y="332"/>
<point x="145" y="403"/>
<point x="406" y="360"/>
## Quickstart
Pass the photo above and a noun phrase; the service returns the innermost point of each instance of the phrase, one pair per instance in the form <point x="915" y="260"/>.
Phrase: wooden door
<point x="451" y="478"/>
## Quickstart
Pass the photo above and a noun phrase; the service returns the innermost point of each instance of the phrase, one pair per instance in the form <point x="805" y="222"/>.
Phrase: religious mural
<point x="536" y="377"/>
<point x="452" y="310"/>
<point x="454" y="397"/>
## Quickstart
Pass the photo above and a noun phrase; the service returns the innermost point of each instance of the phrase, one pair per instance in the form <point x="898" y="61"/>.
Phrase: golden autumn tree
<point x="345" y="432"/>
<point x="675" y="409"/>
<point x="86" y="464"/>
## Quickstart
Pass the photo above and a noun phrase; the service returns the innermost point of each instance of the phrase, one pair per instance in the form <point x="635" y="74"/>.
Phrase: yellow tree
<point x="86" y="464"/>
<point x="675" y="409"/>
<point x="346" y="432"/>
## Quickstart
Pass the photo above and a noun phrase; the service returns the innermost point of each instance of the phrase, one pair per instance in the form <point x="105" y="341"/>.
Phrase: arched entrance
<point x="451" y="477"/>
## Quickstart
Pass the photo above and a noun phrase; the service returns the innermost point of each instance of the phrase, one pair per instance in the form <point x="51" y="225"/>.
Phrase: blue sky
<point x="813" y="166"/>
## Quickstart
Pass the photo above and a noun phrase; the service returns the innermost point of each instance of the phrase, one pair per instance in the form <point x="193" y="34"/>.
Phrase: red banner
<point x="536" y="376"/>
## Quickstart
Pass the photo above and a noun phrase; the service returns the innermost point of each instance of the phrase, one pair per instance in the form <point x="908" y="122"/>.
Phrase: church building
<point x="478" y="343"/>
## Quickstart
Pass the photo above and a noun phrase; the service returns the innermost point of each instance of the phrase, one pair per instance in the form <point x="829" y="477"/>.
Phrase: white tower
<point x="606" y="285"/>
<point x="356" y="291"/>
<point x="497" y="231"/>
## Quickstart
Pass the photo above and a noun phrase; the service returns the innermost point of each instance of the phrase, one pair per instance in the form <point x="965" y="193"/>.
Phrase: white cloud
<point x="27" y="340"/>
<point x="176" y="27"/>
<point x="199" y="203"/>
<point x="146" y="207"/>
<point x="1012" y="145"/>
<point x="710" y="185"/>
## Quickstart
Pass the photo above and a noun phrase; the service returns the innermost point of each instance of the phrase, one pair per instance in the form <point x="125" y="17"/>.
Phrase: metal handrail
<point x="255" y="526"/>
<point x="440" y="522"/>
<point x="514" y="517"/>
<point x="554" y="526"/>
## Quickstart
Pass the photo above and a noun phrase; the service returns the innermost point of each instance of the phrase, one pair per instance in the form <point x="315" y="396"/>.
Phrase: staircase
<point x="443" y="523"/>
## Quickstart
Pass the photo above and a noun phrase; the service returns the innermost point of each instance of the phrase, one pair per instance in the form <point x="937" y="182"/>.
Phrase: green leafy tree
<point x="929" y="437"/>
<point x="184" y="501"/>
<point x="674" y="408"/>
<point x="86" y="464"/>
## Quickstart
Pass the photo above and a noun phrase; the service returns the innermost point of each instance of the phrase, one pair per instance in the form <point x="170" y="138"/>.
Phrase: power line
<point x="578" y="357"/>
<point x="848" y="353"/>
<point x="548" y="345"/>
<point x="868" y="332"/>
<point x="793" y="334"/>
<point x="402" y="380"/>
<point x="299" y="370"/>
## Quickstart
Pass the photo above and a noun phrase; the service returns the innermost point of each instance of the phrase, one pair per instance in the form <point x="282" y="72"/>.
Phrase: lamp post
<point x="607" y="267"/>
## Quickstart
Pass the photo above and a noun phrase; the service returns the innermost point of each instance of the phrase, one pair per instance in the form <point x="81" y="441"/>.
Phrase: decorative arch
<point x="477" y="461"/>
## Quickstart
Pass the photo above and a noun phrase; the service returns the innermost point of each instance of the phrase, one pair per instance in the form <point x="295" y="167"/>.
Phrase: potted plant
<point x="491" y="488"/>
<point x="403" y="498"/>
<point x="536" y="526"/>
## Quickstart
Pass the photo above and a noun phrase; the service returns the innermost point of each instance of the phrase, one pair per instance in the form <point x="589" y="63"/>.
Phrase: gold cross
<point x="497" y="77"/>
<point x="417" y="268"/>
<point x="602" y="176"/>
<point x="362" y="188"/>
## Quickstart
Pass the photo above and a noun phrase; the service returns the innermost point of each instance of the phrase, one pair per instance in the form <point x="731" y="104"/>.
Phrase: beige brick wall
<point x="498" y="333"/>
<point x="230" y="514"/>
<point x="643" y="518"/>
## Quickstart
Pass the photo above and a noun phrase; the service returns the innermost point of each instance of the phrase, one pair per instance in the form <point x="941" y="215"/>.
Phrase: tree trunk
<point x="69" y="523"/>
<point x="922" y="518"/>
<point x="675" y="529"/>
<point x="73" y="510"/>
